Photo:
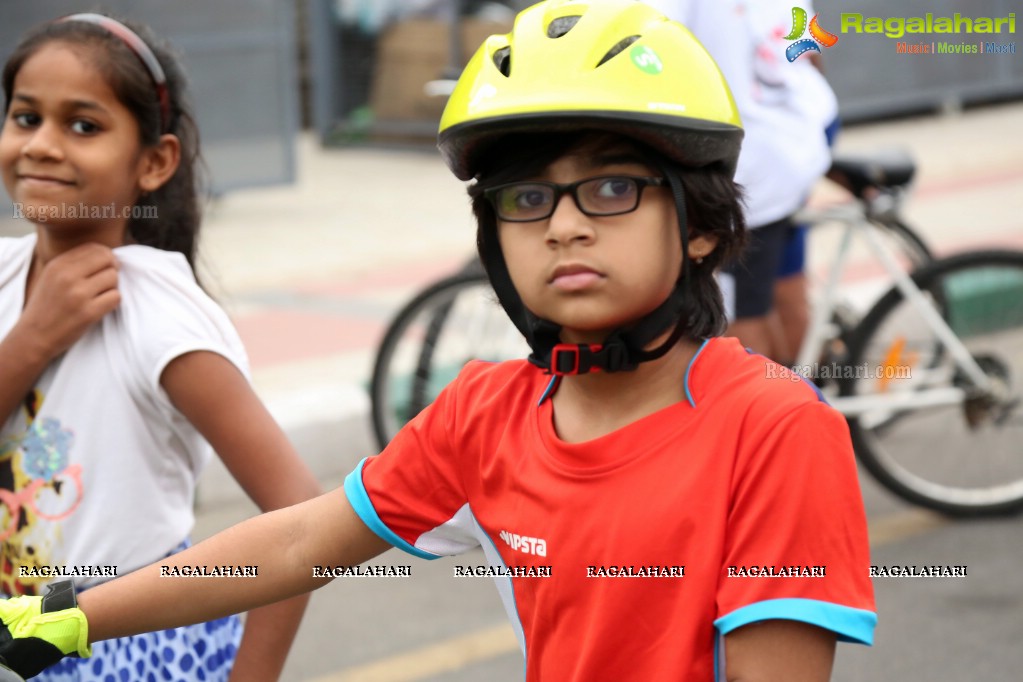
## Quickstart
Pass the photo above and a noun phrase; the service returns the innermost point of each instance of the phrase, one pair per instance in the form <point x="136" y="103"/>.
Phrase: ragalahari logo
<point x="818" y="35"/>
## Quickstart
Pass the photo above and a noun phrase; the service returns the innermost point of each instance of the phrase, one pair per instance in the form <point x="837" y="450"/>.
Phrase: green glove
<point x="36" y="632"/>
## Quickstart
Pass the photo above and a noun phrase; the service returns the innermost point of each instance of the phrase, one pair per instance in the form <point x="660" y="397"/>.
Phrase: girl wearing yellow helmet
<point x="655" y="502"/>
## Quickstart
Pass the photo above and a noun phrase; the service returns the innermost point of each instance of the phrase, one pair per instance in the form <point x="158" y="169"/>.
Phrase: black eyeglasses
<point x="524" y="202"/>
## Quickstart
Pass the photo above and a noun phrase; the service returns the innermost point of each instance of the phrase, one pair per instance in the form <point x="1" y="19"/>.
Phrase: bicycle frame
<point x="867" y="220"/>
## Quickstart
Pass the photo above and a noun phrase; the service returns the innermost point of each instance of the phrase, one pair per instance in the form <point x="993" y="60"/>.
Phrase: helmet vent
<point x="619" y="47"/>
<point x="561" y="26"/>
<point x="502" y="60"/>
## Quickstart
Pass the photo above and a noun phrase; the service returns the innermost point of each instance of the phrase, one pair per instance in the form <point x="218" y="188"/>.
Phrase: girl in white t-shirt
<point x="118" y="375"/>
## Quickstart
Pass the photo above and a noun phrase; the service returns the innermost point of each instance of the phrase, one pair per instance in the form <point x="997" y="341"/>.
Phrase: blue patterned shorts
<point x="203" y="653"/>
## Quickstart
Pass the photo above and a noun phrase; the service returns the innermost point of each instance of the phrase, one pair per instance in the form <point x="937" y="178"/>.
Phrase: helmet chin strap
<point x="624" y="348"/>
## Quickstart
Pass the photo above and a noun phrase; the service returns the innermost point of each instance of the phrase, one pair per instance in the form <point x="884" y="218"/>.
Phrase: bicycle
<point x="926" y="348"/>
<point x="950" y="321"/>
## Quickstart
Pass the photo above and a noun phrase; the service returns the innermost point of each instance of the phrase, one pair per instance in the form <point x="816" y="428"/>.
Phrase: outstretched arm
<point x="283" y="544"/>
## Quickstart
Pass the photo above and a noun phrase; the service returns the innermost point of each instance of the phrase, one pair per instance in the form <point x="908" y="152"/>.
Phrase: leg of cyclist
<point x="755" y="274"/>
<point x="791" y="314"/>
<point x="791" y="290"/>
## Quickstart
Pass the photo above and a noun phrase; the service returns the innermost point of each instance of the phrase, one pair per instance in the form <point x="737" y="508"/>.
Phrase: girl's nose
<point x="568" y="224"/>
<point x="43" y="143"/>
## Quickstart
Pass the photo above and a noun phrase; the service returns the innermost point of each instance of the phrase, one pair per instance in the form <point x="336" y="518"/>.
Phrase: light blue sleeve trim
<point x="363" y="506"/>
<point x="851" y="625"/>
<point x="692" y="361"/>
<point x="551" y="385"/>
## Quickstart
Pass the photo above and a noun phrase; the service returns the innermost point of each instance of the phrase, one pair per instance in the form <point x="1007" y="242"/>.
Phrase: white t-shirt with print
<point x="784" y="106"/>
<point x="105" y="473"/>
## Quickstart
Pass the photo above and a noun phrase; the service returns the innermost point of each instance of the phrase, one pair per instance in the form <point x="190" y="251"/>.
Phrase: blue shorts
<point x="793" y="256"/>
<point x="203" y="653"/>
<point x="756" y="269"/>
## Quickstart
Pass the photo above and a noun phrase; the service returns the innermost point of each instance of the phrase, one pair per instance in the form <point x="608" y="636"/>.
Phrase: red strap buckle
<point x="567" y="358"/>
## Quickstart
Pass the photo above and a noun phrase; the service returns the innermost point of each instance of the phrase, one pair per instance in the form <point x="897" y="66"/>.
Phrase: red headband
<point x="141" y="50"/>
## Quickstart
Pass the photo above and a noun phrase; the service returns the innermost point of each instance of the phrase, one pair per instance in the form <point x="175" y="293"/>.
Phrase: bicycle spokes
<point x="948" y="434"/>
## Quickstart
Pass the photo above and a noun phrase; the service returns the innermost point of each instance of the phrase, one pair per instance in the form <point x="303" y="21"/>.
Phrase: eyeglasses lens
<point x="526" y="201"/>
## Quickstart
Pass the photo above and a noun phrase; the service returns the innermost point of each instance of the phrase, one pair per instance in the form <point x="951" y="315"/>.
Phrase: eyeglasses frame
<point x="571" y="188"/>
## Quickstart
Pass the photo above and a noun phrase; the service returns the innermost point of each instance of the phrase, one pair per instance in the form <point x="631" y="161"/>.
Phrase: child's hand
<point x="36" y="632"/>
<point x="73" y="291"/>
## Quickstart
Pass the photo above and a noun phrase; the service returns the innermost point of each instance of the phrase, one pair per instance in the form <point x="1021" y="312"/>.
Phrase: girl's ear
<point x="702" y="245"/>
<point x="159" y="162"/>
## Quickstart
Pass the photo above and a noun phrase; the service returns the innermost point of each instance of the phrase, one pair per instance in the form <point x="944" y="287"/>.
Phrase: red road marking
<point x="963" y="183"/>
<point x="277" y="336"/>
<point x="391" y="277"/>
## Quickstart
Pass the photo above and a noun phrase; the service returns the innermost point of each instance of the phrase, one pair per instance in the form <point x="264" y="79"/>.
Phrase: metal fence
<point x="240" y="57"/>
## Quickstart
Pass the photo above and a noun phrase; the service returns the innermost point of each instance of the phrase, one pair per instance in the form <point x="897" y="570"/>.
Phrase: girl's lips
<point x="43" y="181"/>
<point x="576" y="282"/>
<point x="575" y="278"/>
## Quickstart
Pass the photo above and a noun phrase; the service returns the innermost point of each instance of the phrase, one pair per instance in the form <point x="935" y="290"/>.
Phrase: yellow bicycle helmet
<point x="614" y="65"/>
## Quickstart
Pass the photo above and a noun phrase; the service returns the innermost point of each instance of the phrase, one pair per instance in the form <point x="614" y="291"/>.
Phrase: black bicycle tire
<point x="919" y="253"/>
<point x="418" y="394"/>
<point x="924" y="278"/>
<point x="380" y="381"/>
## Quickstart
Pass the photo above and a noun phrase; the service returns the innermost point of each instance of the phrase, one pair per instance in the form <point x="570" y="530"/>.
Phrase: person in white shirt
<point x="119" y="376"/>
<point x="786" y="109"/>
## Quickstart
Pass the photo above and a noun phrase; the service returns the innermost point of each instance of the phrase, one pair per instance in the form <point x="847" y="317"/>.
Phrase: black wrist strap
<point x="59" y="596"/>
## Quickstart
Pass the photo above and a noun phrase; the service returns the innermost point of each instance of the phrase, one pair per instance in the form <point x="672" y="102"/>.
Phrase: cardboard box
<point x="410" y="54"/>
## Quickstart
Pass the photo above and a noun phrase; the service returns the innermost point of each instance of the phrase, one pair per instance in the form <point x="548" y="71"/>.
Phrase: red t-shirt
<point x="738" y="505"/>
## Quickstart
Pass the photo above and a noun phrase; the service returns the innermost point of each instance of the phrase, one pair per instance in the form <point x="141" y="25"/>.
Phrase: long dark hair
<point x="713" y="208"/>
<point x="168" y="218"/>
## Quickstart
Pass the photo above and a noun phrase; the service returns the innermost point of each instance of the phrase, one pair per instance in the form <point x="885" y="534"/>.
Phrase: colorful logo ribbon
<point x="818" y="35"/>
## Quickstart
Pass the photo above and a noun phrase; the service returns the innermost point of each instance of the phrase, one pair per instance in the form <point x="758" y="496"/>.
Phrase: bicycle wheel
<point x="910" y="244"/>
<point x="912" y="250"/>
<point x="932" y="436"/>
<point x="453" y="321"/>
<point x="421" y="393"/>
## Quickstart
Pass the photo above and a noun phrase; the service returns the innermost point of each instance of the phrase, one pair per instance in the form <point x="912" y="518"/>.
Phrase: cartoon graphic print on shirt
<point x="38" y="484"/>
